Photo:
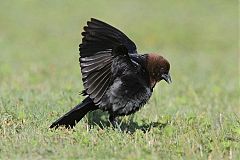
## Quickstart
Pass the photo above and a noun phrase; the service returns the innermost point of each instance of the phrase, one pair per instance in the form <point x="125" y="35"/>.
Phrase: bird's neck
<point x="150" y="62"/>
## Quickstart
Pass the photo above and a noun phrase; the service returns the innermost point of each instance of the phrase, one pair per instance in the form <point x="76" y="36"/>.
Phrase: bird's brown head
<point x="158" y="68"/>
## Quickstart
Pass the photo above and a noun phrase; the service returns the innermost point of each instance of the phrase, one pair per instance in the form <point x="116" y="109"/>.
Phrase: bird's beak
<point x="167" y="78"/>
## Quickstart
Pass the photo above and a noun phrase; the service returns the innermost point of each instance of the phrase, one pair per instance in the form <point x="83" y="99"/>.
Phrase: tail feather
<point x="71" y="118"/>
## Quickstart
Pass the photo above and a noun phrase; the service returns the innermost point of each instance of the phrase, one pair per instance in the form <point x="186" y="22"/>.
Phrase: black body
<point x="114" y="75"/>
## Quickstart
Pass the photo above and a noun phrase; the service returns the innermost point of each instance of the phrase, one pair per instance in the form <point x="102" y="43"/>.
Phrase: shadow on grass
<point x="100" y="119"/>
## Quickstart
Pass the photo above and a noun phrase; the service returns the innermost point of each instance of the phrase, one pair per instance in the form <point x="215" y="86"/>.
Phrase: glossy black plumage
<point x="115" y="77"/>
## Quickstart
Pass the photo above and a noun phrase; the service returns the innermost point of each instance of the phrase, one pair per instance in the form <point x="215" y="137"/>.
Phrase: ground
<point x="196" y="117"/>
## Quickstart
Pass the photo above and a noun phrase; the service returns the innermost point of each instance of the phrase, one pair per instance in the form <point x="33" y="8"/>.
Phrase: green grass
<point x="196" y="117"/>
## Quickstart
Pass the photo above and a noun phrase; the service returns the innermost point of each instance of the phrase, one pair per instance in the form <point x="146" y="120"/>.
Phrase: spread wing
<point x="100" y="44"/>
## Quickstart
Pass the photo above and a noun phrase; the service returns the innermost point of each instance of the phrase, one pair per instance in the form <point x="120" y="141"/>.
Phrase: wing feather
<point x="96" y="56"/>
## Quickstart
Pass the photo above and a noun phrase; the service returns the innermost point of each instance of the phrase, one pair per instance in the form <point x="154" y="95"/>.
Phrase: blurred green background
<point x="40" y="77"/>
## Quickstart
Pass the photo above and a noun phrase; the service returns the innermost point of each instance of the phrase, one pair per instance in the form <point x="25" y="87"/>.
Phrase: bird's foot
<point x="114" y="122"/>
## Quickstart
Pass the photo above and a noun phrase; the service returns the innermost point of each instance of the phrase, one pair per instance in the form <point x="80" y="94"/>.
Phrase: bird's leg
<point x="113" y="121"/>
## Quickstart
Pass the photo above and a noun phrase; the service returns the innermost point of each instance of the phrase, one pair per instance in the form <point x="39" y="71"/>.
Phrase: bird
<point x="116" y="78"/>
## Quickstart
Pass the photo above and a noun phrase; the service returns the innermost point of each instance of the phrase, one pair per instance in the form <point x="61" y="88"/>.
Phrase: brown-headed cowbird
<point x="115" y="77"/>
